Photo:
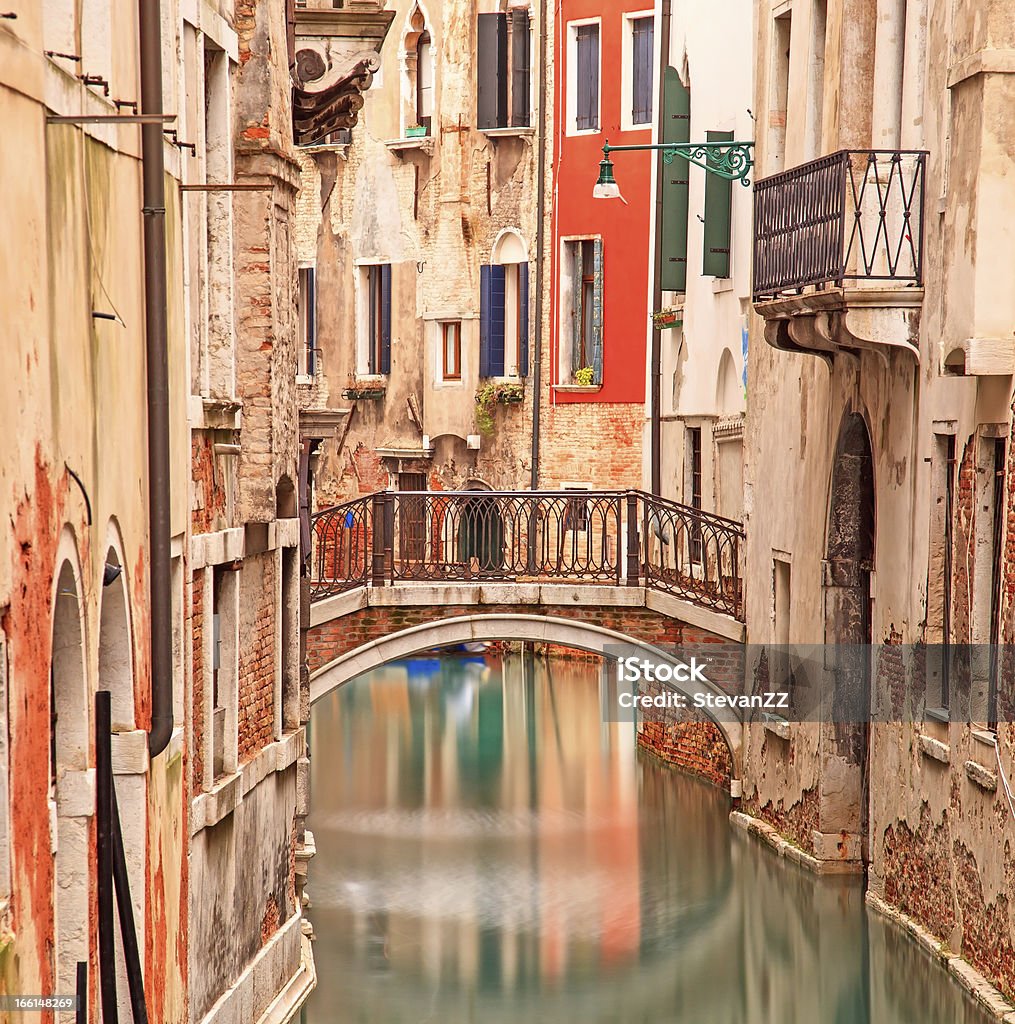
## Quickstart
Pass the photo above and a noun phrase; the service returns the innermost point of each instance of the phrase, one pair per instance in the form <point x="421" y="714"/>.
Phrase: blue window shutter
<point x="718" y="208"/>
<point x="485" y="308"/>
<point x="597" y="312"/>
<point x="498" y="292"/>
<point x="523" y="319"/>
<point x="385" y="366"/>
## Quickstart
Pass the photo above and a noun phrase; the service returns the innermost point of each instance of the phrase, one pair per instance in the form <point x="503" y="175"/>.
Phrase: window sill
<point x="510" y="131"/>
<point x="421" y="142"/>
<point x="721" y="284"/>
<point x="578" y="389"/>
<point x="339" y="148"/>
<point x="304" y="379"/>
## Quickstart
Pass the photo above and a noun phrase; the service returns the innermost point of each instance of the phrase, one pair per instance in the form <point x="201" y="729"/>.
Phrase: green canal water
<point x="488" y="849"/>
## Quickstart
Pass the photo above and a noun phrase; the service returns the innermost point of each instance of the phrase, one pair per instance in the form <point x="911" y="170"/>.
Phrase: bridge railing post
<point x="380" y="538"/>
<point x="633" y="551"/>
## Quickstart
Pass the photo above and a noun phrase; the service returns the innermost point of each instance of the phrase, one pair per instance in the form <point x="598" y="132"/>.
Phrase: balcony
<point x="838" y="253"/>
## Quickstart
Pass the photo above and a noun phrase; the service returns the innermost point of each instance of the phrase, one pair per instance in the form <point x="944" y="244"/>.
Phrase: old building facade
<point x="417" y="246"/>
<point x="878" y="425"/>
<point x="188" y="619"/>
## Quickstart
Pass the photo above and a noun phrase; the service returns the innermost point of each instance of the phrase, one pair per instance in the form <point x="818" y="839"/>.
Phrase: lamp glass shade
<point x="606" y="187"/>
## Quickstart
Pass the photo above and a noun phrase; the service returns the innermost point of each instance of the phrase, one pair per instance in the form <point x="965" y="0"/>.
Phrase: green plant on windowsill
<point x="585" y="377"/>
<point x="493" y="393"/>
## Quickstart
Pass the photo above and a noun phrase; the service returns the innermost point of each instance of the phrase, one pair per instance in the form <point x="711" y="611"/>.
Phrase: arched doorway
<point x="849" y="562"/>
<point x="69" y="795"/>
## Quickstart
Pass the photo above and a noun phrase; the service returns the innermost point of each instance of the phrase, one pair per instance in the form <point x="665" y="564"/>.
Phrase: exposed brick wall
<point x="592" y="442"/>
<point x="694" y="745"/>
<point x="257" y="655"/>
<point x="208" y="497"/>
<point x="918" y="877"/>
<point x="197" y="686"/>
<point x="796" y="822"/>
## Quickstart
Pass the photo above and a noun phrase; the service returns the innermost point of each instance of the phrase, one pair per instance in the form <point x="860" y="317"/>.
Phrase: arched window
<point x="424" y="81"/>
<point x="504" y="310"/>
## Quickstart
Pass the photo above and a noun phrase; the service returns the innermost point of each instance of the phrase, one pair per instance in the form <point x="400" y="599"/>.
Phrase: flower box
<point x="417" y="131"/>
<point x="364" y="391"/>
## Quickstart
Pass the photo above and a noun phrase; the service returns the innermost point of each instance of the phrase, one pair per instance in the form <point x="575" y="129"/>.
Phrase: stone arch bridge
<point x="397" y="573"/>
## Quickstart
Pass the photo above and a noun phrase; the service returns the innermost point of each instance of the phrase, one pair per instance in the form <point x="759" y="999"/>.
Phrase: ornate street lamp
<point x="730" y="160"/>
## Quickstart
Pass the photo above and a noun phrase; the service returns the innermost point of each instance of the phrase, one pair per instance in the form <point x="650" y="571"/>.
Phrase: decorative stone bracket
<point x="833" y="320"/>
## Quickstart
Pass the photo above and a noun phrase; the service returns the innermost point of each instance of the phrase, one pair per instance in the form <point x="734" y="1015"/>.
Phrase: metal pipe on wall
<point x="157" y="364"/>
<point x="655" y="358"/>
<point x="537" y="347"/>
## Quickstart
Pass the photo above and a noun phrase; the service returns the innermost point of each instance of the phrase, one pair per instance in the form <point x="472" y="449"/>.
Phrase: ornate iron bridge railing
<point x="613" y="537"/>
<point x="855" y="214"/>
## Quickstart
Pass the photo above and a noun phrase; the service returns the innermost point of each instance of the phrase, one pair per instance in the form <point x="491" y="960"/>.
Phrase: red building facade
<point x="600" y="251"/>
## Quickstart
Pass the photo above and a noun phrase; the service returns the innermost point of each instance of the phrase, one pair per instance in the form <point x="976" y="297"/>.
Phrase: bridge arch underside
<point x="577" y="634"/>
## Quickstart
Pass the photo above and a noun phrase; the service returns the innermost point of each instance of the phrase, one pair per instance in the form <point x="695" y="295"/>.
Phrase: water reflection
<point x="490" y="850"/>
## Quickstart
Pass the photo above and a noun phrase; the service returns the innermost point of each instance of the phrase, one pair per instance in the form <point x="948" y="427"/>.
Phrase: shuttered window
<point x="491" y="71"/>
<point x="587" y="77"/>
<point x="504" y="332"/>
<point x="307" y="320"/>
<point x="587" y="307"/>
<point x="424" y="81"/>
<point x="503" y="70"/>
<point x="675" y="127"/>
<point x="491" y="321"/>
<point x="641" y="70"/>
<point x="718" y="201"/>
<point x="379" y="318"/>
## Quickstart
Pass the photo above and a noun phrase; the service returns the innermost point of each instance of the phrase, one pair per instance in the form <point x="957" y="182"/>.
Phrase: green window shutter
<point x="718" y="201"/>
<point x="597" y="312"/>
<point x="676" y="127"/>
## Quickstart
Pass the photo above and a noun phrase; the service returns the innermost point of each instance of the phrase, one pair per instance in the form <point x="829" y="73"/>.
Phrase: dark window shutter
<point x="521" y="42"/>
<point x="587" y="81"/>
<point x="597" y="312"/>
<point x="523" y="319"/>
<point x="385" y="366"/>
<point x="311" y="300"/>
<point x="718" y="201"/>
<point x="491" y="71"/>
<point x="576" y="305"/>
<point x="491" y="321"/>
<point x="675" y="127"/>
<point x="642" y="64"/>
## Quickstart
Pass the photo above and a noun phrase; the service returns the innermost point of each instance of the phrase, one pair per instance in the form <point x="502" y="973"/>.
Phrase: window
<point x="584" y="259"/>
<point x="451" y="350"/>
<point x="424" y="81"/>
<point x="376" y="318"/>
<point x="778" y="100"/>
<point x="503" y="72"/>
<point x="693" y="487"/>
<point x="779" y="662"/>
<point x="504" y="320"/>
<point x="307" y="321"/>
<point x="586" y="77"/>
<point x="996" y="554"/>
<point x="576" y="513"/>
<point x="641" y="70"/>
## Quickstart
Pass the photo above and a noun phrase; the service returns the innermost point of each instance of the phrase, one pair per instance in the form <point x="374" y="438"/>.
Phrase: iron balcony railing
<point x="612" y="537"/>
<point x="852" y="215"/>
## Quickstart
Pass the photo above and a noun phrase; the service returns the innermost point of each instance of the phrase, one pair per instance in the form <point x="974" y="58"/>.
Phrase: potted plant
<point x="366" y="389"/>
<point x="585" y="377"/>
<point x="495" y="393"/>
<point x="663" y="319"/>
<point x="416" y="131"/>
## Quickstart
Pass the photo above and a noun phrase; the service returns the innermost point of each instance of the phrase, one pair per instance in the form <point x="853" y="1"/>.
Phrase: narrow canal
<point x="488" y="849"/>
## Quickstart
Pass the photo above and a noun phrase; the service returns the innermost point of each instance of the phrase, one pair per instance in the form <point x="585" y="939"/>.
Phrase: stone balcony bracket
<point x="833" y="320"/>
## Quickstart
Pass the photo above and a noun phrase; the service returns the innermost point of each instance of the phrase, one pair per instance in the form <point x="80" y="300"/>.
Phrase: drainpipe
<point x="157" y="362"/>
<point x="540" y="210"/>
<point x="655" y="407"/>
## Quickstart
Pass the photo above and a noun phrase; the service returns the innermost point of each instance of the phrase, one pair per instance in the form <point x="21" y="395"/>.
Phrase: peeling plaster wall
<point x="940" y="827"/>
